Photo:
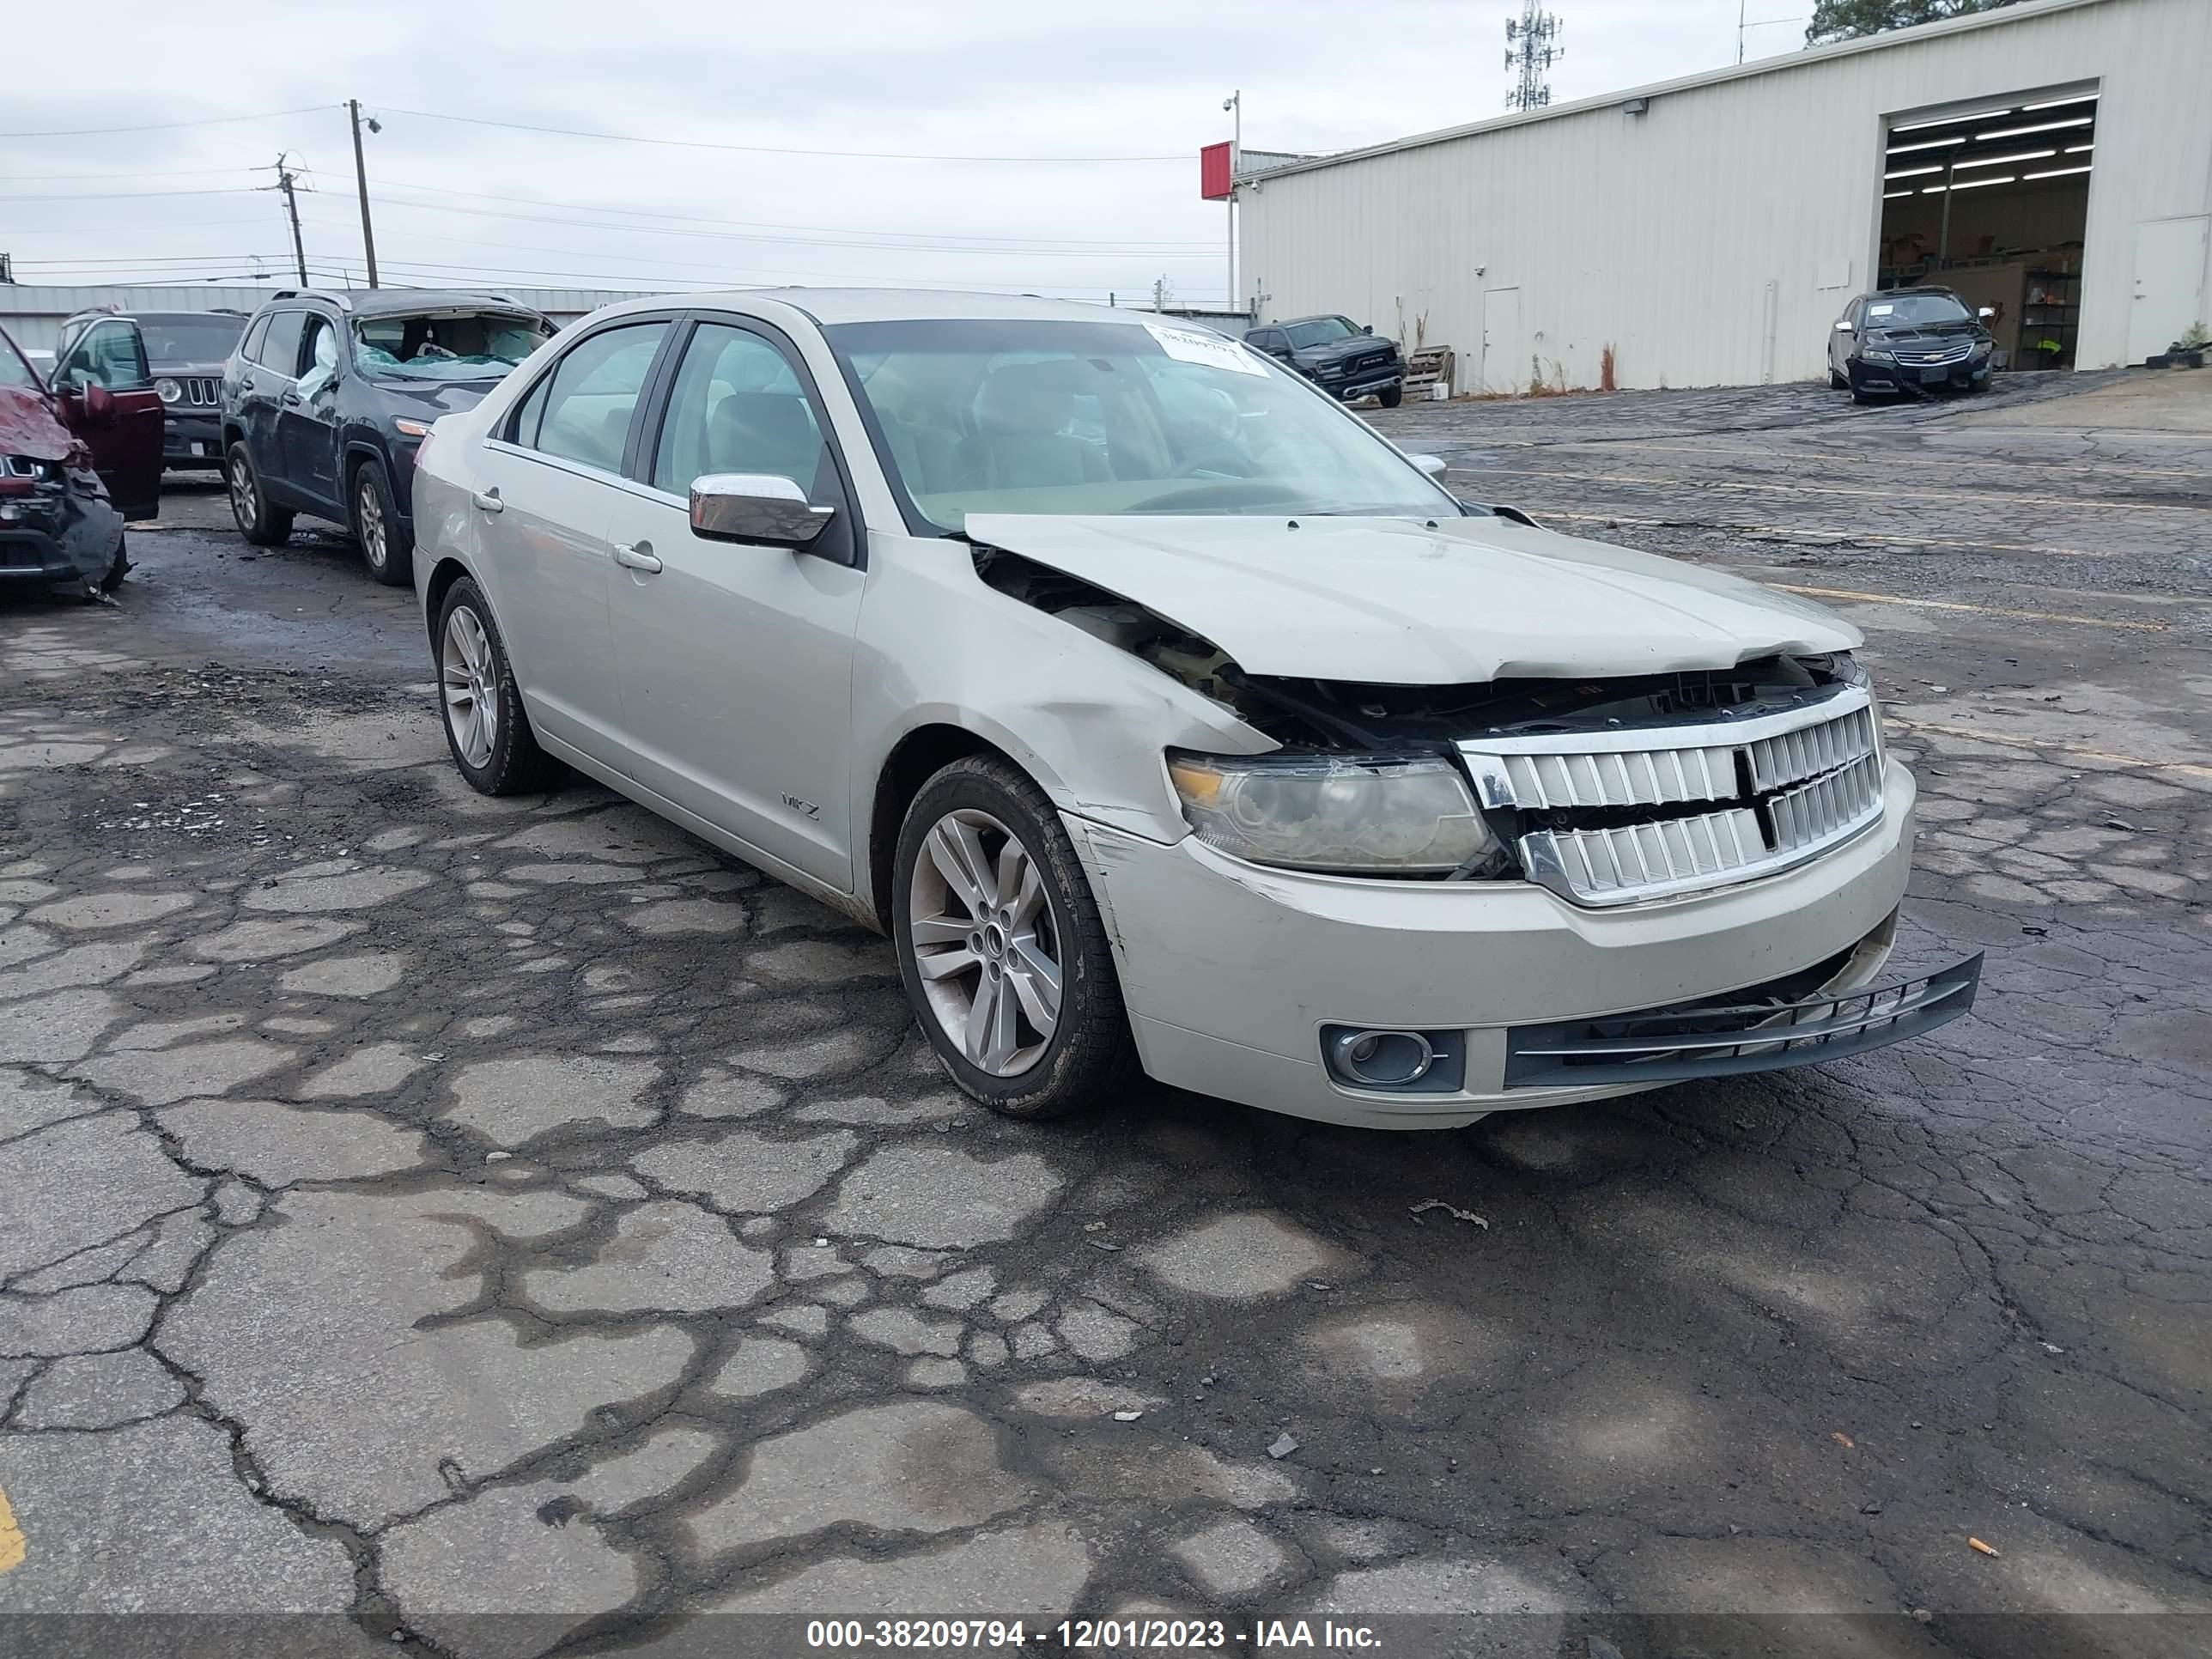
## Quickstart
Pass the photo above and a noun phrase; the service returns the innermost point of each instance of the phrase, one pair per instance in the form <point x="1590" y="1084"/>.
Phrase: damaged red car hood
<point x="29" y="426"/>
<point x="1399" y="602"/>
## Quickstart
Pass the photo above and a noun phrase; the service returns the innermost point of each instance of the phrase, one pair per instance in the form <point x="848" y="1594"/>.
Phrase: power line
<point x="129" y="195"/>
<point x="771" y="150"/>
<point x="760" y="224"/>
<point x="795" y="241"/>
<point x="165" y="126"/>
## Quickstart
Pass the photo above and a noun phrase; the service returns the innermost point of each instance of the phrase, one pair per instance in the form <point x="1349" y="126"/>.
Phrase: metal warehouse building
<point x="2052" y="160"/>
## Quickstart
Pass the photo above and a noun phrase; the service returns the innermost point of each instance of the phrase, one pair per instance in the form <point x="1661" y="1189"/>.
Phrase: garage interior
<point x="1993" y="203"/>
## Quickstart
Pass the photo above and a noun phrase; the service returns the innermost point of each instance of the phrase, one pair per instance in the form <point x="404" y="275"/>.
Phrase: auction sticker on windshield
<point x="1209" y="350"/>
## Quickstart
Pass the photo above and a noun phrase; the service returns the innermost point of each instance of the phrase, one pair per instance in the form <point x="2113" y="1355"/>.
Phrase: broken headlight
<point x="1347" y="815"/>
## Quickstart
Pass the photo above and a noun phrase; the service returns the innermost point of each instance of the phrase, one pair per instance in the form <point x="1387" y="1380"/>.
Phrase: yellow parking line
<point x="12" y="1548"/>
<point x="1910" y="725"/>
<point x="1954" y="604"/>
<point x="1801" y="530"/>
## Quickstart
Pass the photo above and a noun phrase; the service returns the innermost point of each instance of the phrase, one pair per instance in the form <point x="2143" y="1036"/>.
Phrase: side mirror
<point x="1432" y="465"/>
<point x="1986" y="313"/>
<point x="1367" y="328"/>
<point x="756" y="506"/>
<point x="1844" y="325"/>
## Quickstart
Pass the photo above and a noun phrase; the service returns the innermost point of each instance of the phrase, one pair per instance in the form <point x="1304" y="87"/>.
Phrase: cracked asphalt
<point x="498" y="1225"/>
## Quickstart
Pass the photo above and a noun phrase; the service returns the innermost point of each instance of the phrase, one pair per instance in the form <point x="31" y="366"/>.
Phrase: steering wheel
<point x="1225" y="492"/>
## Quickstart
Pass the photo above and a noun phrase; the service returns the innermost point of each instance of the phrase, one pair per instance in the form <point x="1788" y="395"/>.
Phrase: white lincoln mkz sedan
<point x="1166" y="716"/>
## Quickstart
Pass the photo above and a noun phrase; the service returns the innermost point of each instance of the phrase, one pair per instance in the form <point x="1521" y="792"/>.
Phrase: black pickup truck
<point x="1336" y="356"/>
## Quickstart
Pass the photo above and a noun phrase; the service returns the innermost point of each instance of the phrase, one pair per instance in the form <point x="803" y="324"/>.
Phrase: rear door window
<point x="594" y="392"/>
<point x="280" y="347"/>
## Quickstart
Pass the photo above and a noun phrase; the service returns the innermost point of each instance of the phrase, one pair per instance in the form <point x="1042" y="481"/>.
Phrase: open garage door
<point x="1991" y="201"/>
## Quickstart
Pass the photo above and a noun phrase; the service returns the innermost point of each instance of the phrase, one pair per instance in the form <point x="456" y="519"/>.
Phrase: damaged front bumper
<point x="1239" y="980"/>
<point x="56" y="533"/>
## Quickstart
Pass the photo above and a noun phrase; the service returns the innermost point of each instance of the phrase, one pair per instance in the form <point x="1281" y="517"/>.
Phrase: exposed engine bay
<point x="1344" y="717"/>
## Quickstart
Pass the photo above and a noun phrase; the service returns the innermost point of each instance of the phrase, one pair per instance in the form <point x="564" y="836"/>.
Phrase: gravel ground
<point x="471" y="1226"/>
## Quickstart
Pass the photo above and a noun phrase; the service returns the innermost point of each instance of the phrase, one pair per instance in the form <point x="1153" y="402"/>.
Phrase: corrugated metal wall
<point x="1713" y="240"/>
<point x="33" y="313"/>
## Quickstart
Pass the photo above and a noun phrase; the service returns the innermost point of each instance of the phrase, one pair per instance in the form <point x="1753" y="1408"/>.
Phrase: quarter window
<point x="737" y="407"/>
<point x="251" y="349"/>
<point x="591" y="394"/>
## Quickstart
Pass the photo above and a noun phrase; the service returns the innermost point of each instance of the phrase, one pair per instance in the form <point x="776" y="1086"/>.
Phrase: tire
<point x="472" y="660"/>
<point x="1862" y="397"/>
<point x="1391" y="398"/>
<point x="259" y="523"/>
<point x="120" y="569"/>
<point x="1089" y="1053"/>
<point x="1838" y="382"/>
<point x="388" y="545"/>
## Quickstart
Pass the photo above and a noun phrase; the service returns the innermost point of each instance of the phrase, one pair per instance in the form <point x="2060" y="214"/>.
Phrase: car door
<point x="307" y="417"/>
<point x="736" y="658"/>
<point x="265" y="378"/>
<point x="126" y="448"/>
<point x="545" y="481"/>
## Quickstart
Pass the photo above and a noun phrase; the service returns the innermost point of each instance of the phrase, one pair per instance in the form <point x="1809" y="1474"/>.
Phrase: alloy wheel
<point x="470" y="674"/>
<point x="368" y="517"/>
<point x="985" y="943"/>
<point x="244" y="504"/>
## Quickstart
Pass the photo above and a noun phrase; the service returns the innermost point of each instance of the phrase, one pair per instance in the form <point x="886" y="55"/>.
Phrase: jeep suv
<point x="1340" y="357"/>
<point x="184" y="353"/>
<point x="329" y="396"/>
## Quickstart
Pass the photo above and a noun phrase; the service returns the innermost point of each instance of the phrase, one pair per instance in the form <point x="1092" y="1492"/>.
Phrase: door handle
<point x="291" y="397"/>
<point x="488" y="501"/>
<point x="640" y="557"/>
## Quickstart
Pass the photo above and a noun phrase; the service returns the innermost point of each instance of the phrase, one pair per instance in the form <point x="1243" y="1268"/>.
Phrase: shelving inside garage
<point x="1992" y="201"/>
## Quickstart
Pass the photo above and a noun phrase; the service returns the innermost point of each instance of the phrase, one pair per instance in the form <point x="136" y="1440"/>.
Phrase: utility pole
<point x="1528" y="49"/>
<point x="284" y="182"/>
<point x="360" y="183"/>
<point x="1234" y="102"/>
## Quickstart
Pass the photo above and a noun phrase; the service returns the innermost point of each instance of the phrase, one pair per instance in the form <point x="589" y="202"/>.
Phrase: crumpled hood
<point x="1391" y="602"/>
<point x="428" y="399"/>
<point x="29" y="426"/>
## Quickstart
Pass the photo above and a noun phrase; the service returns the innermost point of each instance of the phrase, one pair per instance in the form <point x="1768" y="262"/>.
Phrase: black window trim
<point x="250" y="339"/>
<point x="504" y="432"/>
<point x="637" y="461"/>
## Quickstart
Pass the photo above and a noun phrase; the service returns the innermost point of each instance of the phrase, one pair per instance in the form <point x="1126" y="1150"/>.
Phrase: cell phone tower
<point x="1529" y="50"/>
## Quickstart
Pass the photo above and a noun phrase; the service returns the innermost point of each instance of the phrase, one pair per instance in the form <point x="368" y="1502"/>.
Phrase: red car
<point x="78" y="458"/>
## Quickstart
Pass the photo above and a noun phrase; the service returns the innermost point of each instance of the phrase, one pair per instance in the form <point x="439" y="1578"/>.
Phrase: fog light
<point x="1378" y="1057"/>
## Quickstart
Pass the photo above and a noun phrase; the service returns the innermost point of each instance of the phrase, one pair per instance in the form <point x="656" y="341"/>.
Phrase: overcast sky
<point x="457" y="201"/>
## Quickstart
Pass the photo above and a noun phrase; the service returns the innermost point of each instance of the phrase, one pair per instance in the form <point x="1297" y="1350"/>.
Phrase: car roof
<point x="384" y="301"/>
<point x="1317" y="317"/>
<point x="131" y="316"/>
<point x="830" y="306"/>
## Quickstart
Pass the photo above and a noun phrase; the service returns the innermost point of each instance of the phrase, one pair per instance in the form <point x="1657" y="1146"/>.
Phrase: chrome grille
<point x="1814" y="778"/>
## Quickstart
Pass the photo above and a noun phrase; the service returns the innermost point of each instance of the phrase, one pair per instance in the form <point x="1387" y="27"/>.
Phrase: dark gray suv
<point x="330" y="394"/>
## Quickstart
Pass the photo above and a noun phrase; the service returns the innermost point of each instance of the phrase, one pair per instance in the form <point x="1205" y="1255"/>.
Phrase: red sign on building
<point x="1216" y="169"/>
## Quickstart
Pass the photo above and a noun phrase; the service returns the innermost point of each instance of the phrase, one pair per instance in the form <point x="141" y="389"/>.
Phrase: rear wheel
<point x="486" y="725"/>
<point x="387" y="547"/>
<point x="259" y="523"/>
<point x="1002" y="948"/>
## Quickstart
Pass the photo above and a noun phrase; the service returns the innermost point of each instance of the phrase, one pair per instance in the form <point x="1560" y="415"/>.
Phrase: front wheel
<point x="1838" y="382"/>
<point x="1391" y="398"/>
<point x="118" y="569"/>
<point x="259" y="523"/>
<point x="1002" y="948"/>
<point x="486" y="725"/>
<point x="387" y="546"/>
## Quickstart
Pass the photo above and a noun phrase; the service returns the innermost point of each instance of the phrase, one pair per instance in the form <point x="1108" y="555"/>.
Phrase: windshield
<point x="1321" y="331"/>
<point x="1916" y="311"/>
<point x="13" y="370"/>
<point x="1074" y="418"/>
<point x="482" y="346"/>
<point x="190" y="339"/>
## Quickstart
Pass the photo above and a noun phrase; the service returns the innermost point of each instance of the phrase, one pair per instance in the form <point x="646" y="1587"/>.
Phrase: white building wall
<point x="1713" y="240"/>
